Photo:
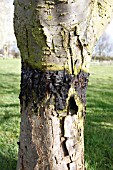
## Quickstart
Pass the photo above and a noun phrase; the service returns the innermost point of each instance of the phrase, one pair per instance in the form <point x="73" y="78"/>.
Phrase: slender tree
<point x="56" y="38"/>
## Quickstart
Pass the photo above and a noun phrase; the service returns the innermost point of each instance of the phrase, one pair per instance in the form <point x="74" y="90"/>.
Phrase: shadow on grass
<point x="8" y="115"/>
<point x="99" y="132"/>
<point x="7" y="163"/>
<point x="8" y="89"/>
<point x="8" y="83"/>
<point x="9" y="112"/>
<point x="9" y="105"/>
<point x="99" y="104"/>
<point x="99" y="143"/>
<point x="100" y="99"/>
<point x="12" y="75"/>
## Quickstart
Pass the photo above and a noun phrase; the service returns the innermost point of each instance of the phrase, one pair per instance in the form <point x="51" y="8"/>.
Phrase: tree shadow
<point x="7" y="163"/>
<point x="99" y="132"/>
<point x="7" y="112"/>
<point x="99" y="144"/>
<point x="9" y="105"/>
<point x="12" y="75"/>
<point x="7" y="84"/>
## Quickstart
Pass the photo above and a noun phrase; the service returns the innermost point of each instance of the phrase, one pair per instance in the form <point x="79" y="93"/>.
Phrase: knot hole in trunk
<point x="72" y="106"/>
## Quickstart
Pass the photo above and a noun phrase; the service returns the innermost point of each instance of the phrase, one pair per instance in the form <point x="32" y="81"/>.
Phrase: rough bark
<point x="55" y="38"/>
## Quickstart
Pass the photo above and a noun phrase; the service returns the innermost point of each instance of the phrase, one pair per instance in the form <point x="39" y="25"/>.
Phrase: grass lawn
<point x="99" y="120"/>
<point x="9" y="112"/>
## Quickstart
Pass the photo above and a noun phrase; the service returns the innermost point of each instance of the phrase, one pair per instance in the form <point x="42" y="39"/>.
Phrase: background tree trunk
<point x="55" y="39"/>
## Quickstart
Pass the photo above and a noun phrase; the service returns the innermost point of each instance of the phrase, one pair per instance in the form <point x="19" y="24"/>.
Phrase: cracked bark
<point x="55" y="40"/>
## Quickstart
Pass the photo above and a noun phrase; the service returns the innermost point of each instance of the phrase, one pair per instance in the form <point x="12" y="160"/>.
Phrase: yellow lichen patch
<point x="54" y="67"/>
<point x="62" y="113"/>
<point x="49" y="17"/>
<point x="50" y="2"/>
<point x="77" y="69"/>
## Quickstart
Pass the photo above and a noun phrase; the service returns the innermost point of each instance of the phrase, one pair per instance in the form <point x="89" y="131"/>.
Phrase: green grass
<point x="9" y="112"/>
<point x="99" y="120"/>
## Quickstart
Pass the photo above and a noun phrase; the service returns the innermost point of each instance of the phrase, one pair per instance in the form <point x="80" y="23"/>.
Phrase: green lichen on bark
<point x="43" y="32"/>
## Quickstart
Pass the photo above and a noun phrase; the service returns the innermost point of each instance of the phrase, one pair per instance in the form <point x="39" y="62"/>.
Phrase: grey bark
<point x="55" y="39"/>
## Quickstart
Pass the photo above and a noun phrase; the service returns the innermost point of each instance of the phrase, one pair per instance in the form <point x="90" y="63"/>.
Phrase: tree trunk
<point x="55" y="39"/>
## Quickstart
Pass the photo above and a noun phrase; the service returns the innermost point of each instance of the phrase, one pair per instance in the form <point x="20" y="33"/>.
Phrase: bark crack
<point x="79" y="43"/>
<point x="27" y="41"/>
<point x="66" y="153"/>
<point x="71" y="54"/>
<point x="63" y="139"/>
